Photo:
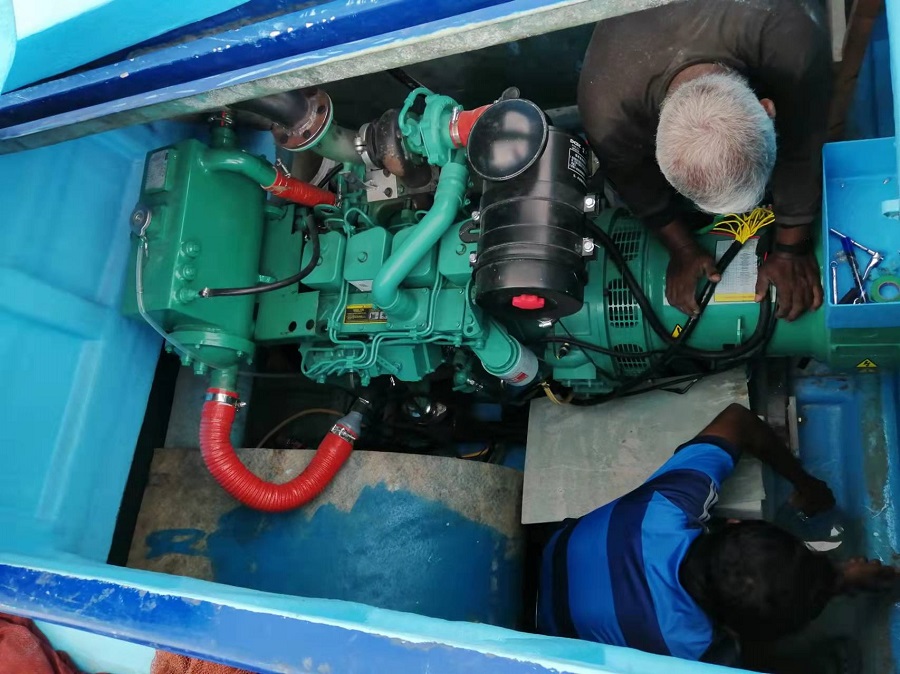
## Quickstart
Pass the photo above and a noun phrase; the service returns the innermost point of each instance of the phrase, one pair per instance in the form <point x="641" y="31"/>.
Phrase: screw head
<point x="590" y="203"/>
<point x="473" y="258"/>
<point x="190" y="248"/>
<point x="476" y="216"/>
<point x="587" y="247"/>
<point x="362" y="257"/>
<point x="186" y="296"/>
<point x="545" y="323"/>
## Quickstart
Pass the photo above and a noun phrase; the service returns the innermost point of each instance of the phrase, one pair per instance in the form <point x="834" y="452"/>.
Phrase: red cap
<point x="528" y="302"/>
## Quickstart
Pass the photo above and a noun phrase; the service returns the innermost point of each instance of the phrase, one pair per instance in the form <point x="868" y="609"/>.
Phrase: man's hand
<point x="687" y="265"/>
<point x="868" y="575"/>
<point x="798" y="282"/>
<point x="812" y="497"/>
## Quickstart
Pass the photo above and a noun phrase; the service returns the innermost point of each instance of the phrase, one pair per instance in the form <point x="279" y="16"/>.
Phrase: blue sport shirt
<point x="612" y="575"/>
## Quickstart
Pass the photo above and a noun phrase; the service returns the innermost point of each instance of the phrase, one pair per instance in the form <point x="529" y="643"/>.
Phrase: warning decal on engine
<point x="363" y="314"/>
<point x="738" y="283"/>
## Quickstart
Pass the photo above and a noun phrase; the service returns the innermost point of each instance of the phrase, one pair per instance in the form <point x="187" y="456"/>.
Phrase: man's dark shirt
<point x="782" y="48"/>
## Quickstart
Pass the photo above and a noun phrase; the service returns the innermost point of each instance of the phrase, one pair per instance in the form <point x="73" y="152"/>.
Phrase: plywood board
<point x="580" y="458"/>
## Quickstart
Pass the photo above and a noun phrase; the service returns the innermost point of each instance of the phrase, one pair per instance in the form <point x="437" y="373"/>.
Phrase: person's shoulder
<point x="806" y="17"/>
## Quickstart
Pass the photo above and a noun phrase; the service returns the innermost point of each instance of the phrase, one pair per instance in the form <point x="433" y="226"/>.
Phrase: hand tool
<point x="854" y="269"/>
<point x="875" y="258"/>
<point x="834" y="287"/>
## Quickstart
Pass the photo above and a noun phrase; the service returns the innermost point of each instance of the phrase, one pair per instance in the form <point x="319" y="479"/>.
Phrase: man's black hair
<point x="758" y="580"/>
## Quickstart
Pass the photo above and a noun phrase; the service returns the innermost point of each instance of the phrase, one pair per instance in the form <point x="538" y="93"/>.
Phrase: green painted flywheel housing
<point x="612" y="319"/>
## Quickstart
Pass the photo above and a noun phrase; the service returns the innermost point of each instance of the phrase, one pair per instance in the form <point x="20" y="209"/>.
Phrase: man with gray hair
<point x="705" y="105"/>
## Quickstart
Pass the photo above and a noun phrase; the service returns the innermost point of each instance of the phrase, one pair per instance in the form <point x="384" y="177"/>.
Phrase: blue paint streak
<point x="393" y="550"/>
<point x="94" y="30"/>
<point x="273" y="634"/>
<point x="75" y="112"/>
<point x="321" y="27"/>
<point x="175" y="541"/>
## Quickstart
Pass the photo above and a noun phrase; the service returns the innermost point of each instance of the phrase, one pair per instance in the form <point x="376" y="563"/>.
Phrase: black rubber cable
<point x="721" y="360"/>
<point x="581" y="344"/>
<point x="405" y="79"/>
<point x="276" y="285"/>
<point x="612" y="250"/>
<point x="328" y="177"/>
<point x="704" y="298"/>
<point x="755" y="345"/>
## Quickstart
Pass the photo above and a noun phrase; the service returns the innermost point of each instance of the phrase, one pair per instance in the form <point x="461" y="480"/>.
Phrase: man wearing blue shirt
<point x="644" y="572"/>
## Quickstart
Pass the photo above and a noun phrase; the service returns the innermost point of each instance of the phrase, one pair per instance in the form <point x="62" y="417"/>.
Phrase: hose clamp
<point x="343" y="433"/>
<point x="454" y="127"/>
<point x="361" y="146"/>
<point x="225" y="399"/>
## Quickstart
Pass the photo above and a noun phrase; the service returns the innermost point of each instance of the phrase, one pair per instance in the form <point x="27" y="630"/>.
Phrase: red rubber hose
<point x="298" y="191"/>
<point x="234" y="477"/>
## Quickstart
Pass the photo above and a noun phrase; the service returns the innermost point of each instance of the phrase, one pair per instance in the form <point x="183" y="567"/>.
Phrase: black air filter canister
<point x="530" y="263"/>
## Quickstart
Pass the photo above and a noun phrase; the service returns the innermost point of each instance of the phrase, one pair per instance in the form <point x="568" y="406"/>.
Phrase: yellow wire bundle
<point x="744" y="226"/>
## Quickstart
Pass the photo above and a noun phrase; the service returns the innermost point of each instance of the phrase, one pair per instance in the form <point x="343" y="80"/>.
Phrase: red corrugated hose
<point x="234" y="477"/>
<point x="298" y="191"/>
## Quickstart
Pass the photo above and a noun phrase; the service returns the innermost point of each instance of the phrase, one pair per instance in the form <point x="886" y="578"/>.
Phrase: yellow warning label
<point x="363" y="314"/>
<point x="735" y="297"/>
<point x="677" y="331"/>
<point x="867" y="365"/>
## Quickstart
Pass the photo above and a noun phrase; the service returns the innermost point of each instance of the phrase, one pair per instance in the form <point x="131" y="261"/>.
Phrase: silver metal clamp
<point x="225" y="399"/>
<point x="343" y="433"/>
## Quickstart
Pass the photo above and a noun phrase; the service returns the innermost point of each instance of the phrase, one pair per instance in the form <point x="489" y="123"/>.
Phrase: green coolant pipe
<point x="398" y="304"/>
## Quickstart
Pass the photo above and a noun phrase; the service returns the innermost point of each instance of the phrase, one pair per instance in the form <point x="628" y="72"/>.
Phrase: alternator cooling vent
<point x="628" y="241"/>
<point x="628" y="363"/>
<point x="621" y="309"/>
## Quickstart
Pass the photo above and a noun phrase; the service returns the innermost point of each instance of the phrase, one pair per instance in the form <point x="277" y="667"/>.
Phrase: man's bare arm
<point x="746" y="431"/>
